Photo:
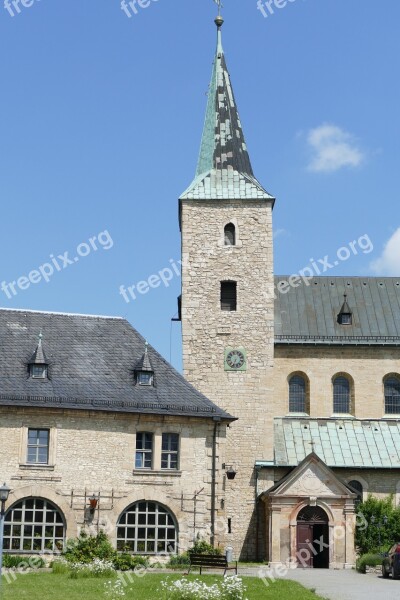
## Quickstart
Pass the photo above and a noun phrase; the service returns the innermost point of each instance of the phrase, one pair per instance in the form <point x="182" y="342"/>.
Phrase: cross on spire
<point x="220" y="5"/>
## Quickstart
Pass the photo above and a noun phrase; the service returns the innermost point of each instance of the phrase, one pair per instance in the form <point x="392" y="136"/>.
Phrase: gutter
<point x="217" y="421"/>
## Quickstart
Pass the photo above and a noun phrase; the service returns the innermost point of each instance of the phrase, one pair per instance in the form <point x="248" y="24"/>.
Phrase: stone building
<point x="98" y="431"/>
<point x="310" y="366"/>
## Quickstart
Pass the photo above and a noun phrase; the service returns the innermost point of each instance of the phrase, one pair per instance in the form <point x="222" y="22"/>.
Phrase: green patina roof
<point x="338" y="442"/>
<point x="224" y="169"/>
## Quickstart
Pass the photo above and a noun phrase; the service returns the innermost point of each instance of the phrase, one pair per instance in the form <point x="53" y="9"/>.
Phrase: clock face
<point x="235" y="359"/>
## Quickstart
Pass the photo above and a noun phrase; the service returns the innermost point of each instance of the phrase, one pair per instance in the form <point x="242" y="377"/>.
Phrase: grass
<point x="44" y="586"/>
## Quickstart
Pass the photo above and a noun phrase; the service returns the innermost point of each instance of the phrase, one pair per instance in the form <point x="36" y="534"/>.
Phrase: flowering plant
<point x="231" y="588"/>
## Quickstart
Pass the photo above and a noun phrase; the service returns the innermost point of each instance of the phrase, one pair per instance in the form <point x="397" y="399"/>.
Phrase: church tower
<point x="228" y="301"/>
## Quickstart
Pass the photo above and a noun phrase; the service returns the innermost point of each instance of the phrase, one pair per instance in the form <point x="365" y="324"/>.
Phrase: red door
<point x="304" y="544"/>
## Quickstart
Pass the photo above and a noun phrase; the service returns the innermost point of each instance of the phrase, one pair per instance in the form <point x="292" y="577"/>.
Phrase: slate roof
<point x="91" y="366"/>
<point x="338" y="442"/>
<point x="224" y="170"/>
<point x="307" y="314"/>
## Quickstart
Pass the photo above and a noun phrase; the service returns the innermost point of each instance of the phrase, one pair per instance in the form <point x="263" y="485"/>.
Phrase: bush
<point x="203" y="547"/>
<point x="17" y="562"/>
<point x="86" y="548"/>
<point x="368" y="560"/>
<point x="128" y="562"/>
<point x="179" y="561"/>
<point x="368" y="534"/>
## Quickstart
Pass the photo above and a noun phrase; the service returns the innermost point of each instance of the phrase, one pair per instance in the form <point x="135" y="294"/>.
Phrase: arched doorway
<point x="312" y="538"/>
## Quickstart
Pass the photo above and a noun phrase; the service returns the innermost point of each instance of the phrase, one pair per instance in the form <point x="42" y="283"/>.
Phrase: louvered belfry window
<point x="341" y="395"/>
<point x="228" y="295"/>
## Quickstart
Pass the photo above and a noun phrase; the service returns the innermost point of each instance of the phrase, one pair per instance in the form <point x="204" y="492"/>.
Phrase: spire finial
<point x="219" y="20"/>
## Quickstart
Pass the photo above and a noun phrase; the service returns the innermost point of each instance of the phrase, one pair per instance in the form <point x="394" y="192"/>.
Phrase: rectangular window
<point x="38" y="446"/>
<point x="228" y="295"/>
<point x="144" y="450"/>
<point x="170" y="451"/>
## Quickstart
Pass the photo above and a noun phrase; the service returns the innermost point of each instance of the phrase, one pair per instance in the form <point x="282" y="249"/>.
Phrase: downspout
<point x="214" y="479"/>
<point x="257" y="515"/>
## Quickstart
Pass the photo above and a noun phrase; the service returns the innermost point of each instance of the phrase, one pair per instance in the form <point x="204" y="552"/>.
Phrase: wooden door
<point x="304" y="542"/>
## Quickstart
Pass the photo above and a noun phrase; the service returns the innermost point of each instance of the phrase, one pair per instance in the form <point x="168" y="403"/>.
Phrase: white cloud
<point x="332" y="149"/>
<point x="389" y="261"/>
<point x="279" y="233"/>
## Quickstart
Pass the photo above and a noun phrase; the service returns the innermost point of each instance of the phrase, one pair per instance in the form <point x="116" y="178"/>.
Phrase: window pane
<point x="297" y="394"/>
<point x="392" y="396"/>
<point x="341" y="395"/>
<point x="146" y="536"/>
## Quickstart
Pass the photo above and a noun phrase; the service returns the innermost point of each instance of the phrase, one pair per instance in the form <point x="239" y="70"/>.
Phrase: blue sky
<point x="101" y="118"/>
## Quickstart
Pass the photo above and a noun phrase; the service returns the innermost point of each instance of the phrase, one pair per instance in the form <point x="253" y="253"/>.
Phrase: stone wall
<point x="207" y="331"/>
<point x="94" y="452"/>
<point x="367" y="366"/>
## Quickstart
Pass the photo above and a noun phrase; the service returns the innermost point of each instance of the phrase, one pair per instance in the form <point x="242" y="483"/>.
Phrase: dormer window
<point x="345" y="316"/>
<point x="144" y="377"/>
<point x="38" y="371"/>
<point x="144" y="373"/>
<point x="345" y="319"/>
<point x="38" y="364"/>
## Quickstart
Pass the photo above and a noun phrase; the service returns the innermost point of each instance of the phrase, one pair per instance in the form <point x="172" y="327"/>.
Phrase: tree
<point x="371" y="527"/>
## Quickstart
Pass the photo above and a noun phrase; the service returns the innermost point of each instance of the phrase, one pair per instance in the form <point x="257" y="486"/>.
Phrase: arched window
<point x="341" y="395"/>
<point x="392" y="395"/>
<point x="33" y="525"/>
<point x="230" y="235"/>
<point x="357" y="488"/>
<point x="297" y="394"/>
<point x="147" y="528"/>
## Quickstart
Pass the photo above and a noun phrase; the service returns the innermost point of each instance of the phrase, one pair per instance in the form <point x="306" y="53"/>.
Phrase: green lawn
<point x="43" y="586"/>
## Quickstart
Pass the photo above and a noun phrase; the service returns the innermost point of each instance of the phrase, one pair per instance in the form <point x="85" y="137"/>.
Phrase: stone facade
<point x="207" y="332"/>
<point x="94" y="452"/>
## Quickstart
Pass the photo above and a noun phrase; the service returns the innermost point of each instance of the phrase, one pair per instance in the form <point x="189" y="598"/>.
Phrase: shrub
<point x="178" y="561"/>
<point x="368" y="534"/>
<point x="203" y="547"/>
<point x="17" y="562"/>
<point x="86" y="548"/>
<point x="368" y="560"/>
<point x="127" y="562"/>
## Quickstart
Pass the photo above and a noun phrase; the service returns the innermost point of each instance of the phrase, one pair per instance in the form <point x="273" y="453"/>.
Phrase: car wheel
<point x="395" y="573"/>
<point x="385" y="572"/>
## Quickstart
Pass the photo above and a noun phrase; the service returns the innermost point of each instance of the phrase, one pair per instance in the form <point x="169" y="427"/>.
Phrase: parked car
<point x="391" y="562"/>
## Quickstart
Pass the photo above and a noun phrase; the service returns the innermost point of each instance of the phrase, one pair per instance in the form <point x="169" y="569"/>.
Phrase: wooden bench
<point x="212" y="561"/>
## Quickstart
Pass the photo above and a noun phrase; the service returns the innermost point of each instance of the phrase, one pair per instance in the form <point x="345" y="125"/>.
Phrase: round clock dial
<point x="235" y="359"/>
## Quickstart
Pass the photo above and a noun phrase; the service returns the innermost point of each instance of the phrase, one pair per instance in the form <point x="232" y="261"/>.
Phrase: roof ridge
<point x="64" y="314"/>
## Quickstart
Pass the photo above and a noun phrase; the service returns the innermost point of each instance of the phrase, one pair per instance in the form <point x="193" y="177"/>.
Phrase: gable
<point x="311" y="478"/>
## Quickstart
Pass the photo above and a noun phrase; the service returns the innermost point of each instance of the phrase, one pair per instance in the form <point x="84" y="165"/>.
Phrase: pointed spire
<point x="39" y="356"/>
<point x="224" y="169"/>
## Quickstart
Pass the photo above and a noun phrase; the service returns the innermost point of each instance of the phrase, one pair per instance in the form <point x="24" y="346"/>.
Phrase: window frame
<point x="336" y="399"/>
<point x="306" y="404"/>
<point x="172" y="456"/>
<point x="148" y="374"/>
<point x="140" y="542"/>
<point x="24" y="526"/>
<point x="37" y="446"/>
<point x="42" y="366"/>
<point x="228" y="298"/>
<point x="392" y="378"/>
<point x="230" y="229"/>
<point x="144" y="453"/>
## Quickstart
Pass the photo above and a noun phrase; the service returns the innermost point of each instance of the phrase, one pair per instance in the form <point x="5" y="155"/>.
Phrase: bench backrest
<point x="208" y="560"/>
